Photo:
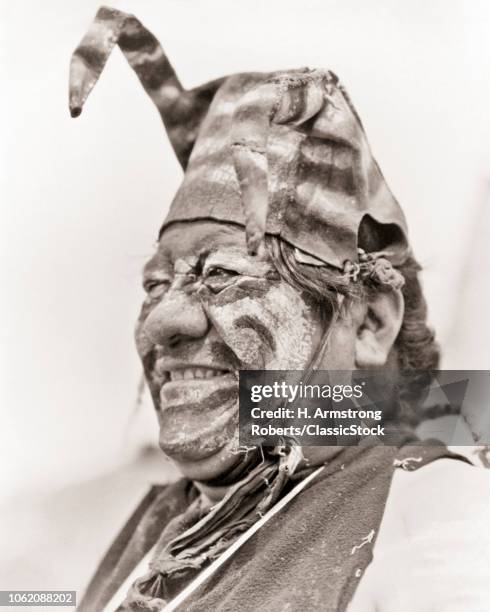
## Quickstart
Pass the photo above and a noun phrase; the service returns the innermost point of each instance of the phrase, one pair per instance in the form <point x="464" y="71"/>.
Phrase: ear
<point x="379" y="329"/>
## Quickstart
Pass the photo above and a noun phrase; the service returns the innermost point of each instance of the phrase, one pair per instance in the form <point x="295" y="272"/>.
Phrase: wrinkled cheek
<point x="297" y="330"/>
<point x="275" y="331"/>
<point x="147" y="354"/>
<point x="245" y="341"/>
<point x="143" y="344"/>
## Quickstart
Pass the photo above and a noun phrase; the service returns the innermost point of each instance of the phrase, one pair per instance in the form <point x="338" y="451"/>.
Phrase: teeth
<point x="193" y="373"/>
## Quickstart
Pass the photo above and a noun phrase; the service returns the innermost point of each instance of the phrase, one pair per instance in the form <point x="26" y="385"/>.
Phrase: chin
<point x="199" y="424"/>
<point x="208" y="467"/>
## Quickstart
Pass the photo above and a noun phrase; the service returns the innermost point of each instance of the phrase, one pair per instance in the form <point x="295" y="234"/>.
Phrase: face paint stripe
<point x="223" y="354"/>
<point x="260" y="329"/>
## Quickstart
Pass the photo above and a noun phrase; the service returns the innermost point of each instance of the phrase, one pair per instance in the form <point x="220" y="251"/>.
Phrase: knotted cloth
<point x="194" y="539"/>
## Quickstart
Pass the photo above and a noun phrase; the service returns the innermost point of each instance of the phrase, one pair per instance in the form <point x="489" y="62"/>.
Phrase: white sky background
<point x="83" y="200"/>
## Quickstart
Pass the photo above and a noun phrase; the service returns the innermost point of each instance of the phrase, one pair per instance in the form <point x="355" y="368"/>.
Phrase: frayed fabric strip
<point x="214" y="567"/>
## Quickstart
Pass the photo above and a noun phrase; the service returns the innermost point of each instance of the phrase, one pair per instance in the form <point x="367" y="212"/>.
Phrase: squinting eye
<point x="216" y="278"/>
<point x="215" y="271"/>
<point x="156" y="288"/>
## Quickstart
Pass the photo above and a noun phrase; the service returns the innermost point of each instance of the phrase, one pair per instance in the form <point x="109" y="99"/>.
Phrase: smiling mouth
<point x="191" y="379"/>
<point x="197" y="409"/>
<point x="183" y="374"/>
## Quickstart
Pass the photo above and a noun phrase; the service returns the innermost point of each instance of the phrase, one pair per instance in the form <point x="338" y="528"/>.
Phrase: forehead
<point x="191" y="240"/>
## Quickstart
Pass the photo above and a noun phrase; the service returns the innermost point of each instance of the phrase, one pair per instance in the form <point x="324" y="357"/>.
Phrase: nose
<point x="179" y="316"/>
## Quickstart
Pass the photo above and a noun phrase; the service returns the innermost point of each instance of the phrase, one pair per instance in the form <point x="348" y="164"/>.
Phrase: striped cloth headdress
<point x="281" y="153"/>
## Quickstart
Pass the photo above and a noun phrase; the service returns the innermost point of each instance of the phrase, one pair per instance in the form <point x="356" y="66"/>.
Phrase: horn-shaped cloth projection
<point x="181" y="111"/>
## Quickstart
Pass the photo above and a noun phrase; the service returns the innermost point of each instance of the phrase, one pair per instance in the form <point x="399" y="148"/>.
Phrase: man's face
<point x="211" y="310"/>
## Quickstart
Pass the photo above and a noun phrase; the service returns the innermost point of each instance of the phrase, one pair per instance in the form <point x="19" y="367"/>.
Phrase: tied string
<point x="374" y="267"/>
<point x="193" y="540"/>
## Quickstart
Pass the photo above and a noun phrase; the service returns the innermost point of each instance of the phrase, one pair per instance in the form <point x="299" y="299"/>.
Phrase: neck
<point x="214" y="490"/>
<point x="211" y="494"/>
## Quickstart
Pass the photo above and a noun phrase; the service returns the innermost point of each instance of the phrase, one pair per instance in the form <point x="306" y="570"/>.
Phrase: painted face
<point x="211" y="310"/>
